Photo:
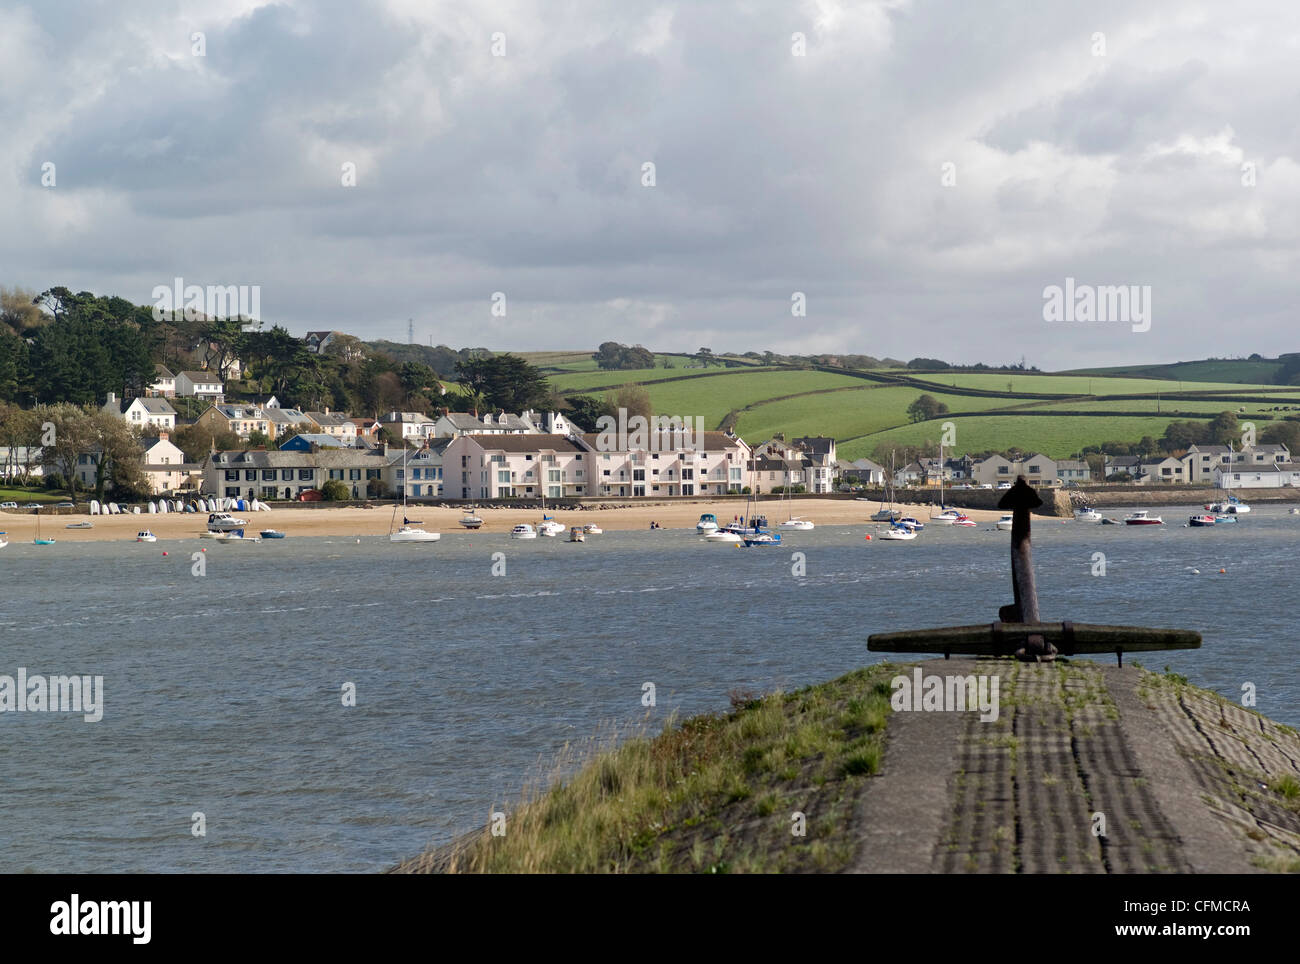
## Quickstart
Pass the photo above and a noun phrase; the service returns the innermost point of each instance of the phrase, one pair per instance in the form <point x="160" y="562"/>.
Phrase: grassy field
<point x="860" y="412"/>
<point x="1054" y="437"/>
<point x="715" y="794"/>
<point x="1074" y="384"/>
<point x="715" y="396"/>
<point x="1211" y="370"/>
<point x="845" y="414"/>
<point x="23" y="496"/>
<point x="585" y="381"/>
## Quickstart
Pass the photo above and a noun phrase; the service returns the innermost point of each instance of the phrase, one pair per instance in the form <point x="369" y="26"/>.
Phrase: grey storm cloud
<point x="775" y="173"/>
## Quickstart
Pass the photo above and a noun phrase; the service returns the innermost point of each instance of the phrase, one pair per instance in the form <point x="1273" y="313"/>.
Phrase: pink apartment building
<point x="560" y="466"/>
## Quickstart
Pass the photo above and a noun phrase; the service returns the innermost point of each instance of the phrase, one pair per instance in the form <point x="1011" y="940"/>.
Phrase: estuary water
<point x="224" y="692"/>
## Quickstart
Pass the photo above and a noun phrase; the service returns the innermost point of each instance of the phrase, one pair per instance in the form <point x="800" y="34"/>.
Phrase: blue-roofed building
<point x="304" y="442"/>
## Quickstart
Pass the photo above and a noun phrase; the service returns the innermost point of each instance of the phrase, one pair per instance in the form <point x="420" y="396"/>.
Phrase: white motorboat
<point x="3" y="541"/>
<point x="708" y="523"/>
<point x="723" y="535"/>
<point x="1004" y="523"/>
<point x="965" y="522"/>
<point x="523" y="531"/>
<point x="801" y="525"/>
<point x="592" y="529"/>
<point x="1143" y="518"/>
<point x="224" y="522"/>
<point x="410" y="533"/>
<point x="576" y="534"/>
<point x="550" y="528"/>
<point x="1087" y="514"/>
<point x="898" y="533"/>
<point x="946" y="518"/>
<point x="144" y="535"/>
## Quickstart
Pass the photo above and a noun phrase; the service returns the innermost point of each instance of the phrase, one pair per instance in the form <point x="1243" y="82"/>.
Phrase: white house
<point x="199" y="384"/>
<point x="164" y="383"/>
<point x="408" y="425"/>
<point x="144" y="414"/>
<point x="1262" y="476"/>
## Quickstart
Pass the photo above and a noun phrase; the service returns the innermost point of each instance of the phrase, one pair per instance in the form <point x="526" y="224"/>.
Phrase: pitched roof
<point x="277" y="459"/>
<point x="154" y="406"/>
<point x="530" y="443"/>
<point x="328" y="418"/>
<point x="710" y="441"/>
<point x="821" y="445"/>
<point x="201" y="377"/>
<point x="162" y="371"/>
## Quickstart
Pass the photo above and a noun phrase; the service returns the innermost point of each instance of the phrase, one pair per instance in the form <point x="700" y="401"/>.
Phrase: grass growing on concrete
<point x="713" y="794"/>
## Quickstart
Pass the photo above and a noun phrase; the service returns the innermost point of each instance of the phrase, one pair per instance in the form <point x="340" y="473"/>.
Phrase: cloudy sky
<point x="1108" y="142"/>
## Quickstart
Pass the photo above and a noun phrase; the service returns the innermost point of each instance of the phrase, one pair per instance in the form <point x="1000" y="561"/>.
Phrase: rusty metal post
<point x="1019" y="501"/>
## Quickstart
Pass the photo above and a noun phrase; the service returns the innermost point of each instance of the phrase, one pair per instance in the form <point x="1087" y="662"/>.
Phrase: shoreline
<point x="354" y="521"/>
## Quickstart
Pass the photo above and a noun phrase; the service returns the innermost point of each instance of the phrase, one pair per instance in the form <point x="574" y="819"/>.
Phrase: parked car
<point x="65" y="505"/>
<point x="32" y="505"/>
<point x="8" y="505"/>
<point x="1004" y="485"/>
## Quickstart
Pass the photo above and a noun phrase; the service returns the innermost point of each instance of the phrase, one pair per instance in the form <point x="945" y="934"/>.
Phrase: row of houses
<point x="1259" y="465"/>
<point x="508" y="465"/>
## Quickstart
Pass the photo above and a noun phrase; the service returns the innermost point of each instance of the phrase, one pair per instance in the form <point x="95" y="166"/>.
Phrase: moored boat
<point x="802" y="525"/>
<point x="549" y="527"/>
<point x="592" y="529"/>
<point x="144" y="535"/>
<point x="471" y="521"/>
<point x="1200" y="521"/>
<point x="898" y="533"/>
<point x="411" y="533"/>
<point x="79" y="525"/>
<point x="1087" y="515"/>
<point x="576" y="534"/>
<point x="1143" y="517"/>
<point x="271" y="534"/>
<point x="708" y="523"/>
<point x="1004" y="523"/>
<point x="523" y="531"/>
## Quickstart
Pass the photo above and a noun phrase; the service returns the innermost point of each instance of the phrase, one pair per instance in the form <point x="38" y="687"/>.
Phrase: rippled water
<point x="223" y="692"/>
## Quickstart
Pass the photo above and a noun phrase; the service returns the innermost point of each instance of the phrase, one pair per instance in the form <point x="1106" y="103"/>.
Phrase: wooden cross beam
<point x="1020" y="631"/>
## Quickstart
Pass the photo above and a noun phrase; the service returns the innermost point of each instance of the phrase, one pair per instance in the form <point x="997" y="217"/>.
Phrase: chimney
<point x="163" y="436"/>
<point x="111" y="399"/>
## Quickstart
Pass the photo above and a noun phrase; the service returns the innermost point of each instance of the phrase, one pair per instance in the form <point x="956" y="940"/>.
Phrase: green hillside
<point x="1055" y="413"/>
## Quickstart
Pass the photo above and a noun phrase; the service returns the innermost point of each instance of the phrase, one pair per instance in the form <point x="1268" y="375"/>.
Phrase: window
<point x="354" y="475"/>
<point x="372" y="473"/>
<point x="250" y="475"/>
<point x="503" y="476"/>
<point x="638" y="475"/>
<point x="306" y="475"/>
<point x="268" y="475"/>
<point x="232" y="475"/>
<point x="286" y="475"/>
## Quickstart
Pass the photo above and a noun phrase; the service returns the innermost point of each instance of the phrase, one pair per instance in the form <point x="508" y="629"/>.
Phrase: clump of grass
<point x="711" y="794"/>
<point x="1286" y="785"/>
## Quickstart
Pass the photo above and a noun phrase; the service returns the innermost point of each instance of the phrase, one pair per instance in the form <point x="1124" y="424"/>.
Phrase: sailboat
<point x="409" y="531"/>
<point x="38" y="540"/>
<point x="887" y="515"/>
<point x="3" y="541"/>
<point x="803" y="525"/>
<point x="1231" y="504"/>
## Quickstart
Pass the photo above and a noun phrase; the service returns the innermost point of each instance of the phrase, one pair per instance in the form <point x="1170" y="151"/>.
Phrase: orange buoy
<point x="164" y="553"/>
<point x="868" y="536"/>
<point x="1223" y="570"/>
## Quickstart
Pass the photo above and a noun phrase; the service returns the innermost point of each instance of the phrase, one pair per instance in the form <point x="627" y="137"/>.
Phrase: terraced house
<point x="568" y="466"/>
<point x="258" y="474"/>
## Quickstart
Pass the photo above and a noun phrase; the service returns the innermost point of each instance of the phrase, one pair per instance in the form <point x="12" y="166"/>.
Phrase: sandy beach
<point x="315" y="521"/>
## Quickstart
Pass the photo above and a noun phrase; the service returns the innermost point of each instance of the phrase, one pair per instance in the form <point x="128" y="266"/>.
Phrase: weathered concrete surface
<point x="1089" y="768"/>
